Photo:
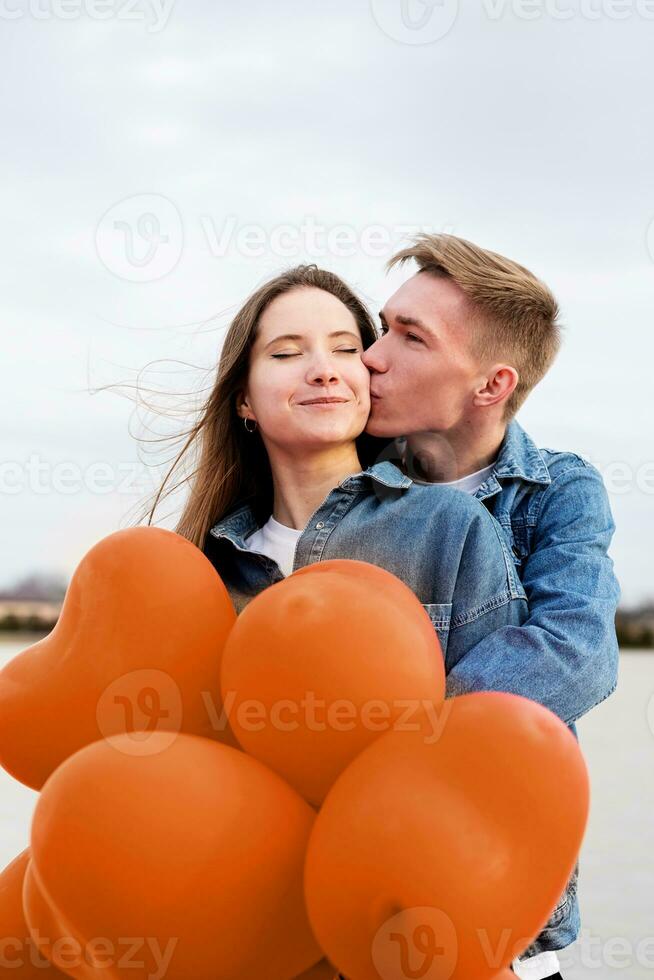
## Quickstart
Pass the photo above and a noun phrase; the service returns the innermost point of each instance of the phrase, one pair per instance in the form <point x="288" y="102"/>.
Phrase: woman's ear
<point x="243" y="406"/>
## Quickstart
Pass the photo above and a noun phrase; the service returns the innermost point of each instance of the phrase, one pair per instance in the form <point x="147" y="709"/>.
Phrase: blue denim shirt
<point x="554" y="510"/>
<point x="547" y="543"/>
<point x="441" y="543"/>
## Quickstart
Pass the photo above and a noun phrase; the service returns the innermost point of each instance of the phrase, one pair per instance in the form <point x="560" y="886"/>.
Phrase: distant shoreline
<point x="7" y="636"/>
<point x="31" y="635"/>
<point x="10" y="625"/>
<point x="33" y="608"/>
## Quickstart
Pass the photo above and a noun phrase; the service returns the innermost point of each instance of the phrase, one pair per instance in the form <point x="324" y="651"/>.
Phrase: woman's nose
<point x="323" y="371"/>
<point x="323" y="378"/>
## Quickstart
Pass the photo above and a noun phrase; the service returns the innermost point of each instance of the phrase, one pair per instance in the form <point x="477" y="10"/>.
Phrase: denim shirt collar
<point x="520" y="457"/>
<point x="238" y="525"/>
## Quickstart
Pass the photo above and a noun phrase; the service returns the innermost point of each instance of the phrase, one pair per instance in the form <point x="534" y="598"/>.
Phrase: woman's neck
<point x="301" y="485"/>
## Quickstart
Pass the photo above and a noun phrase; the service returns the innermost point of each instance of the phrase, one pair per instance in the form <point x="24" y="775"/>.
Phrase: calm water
<point x="616" y="876"/>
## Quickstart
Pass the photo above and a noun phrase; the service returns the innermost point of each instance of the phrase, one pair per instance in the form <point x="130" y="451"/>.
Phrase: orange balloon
<point x="317" y="666"/>
<point x="19" y="954"/>
<point x="321" y="971"/>
<point x="195" y="847"/>
<point x="433" y="846"/>
<point x="137" y="647"/>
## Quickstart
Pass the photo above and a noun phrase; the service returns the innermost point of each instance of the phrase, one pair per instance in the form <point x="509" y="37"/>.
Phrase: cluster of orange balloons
<point x="283" y="794"/>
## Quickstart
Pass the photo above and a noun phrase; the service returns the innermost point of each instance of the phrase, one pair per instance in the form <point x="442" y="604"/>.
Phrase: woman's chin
<point x="327" y="437"/>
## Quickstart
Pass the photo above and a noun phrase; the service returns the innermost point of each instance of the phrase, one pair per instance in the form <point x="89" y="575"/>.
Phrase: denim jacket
<point x="554" y="511"/>
<point x="473" y="575"/>
<point x="441" y="543"/>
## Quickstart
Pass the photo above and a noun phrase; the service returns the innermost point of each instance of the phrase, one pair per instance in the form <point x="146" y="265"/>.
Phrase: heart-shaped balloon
<point x="20" y="956"/>
<point x="196" y="851"/>
<point x="446" y="850"/>
<point x="319" y="665"/>
<point x="137" y="647"/>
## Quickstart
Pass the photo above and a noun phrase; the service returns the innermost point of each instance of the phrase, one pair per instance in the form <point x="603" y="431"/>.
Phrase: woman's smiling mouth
<point x="325" y="401"/>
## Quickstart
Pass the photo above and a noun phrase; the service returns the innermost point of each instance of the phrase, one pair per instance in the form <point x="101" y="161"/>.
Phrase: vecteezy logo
<point x="416" y="944"/>
<point x="415" y="21"/>
<point x="137" y="704"/>
<point x="141" y="238"/>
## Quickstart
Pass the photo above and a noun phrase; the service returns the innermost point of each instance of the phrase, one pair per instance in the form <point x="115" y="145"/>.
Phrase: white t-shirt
<point x="537" y="967"/>
<point x="277" y="542"/>
<point x="468" y="483"/>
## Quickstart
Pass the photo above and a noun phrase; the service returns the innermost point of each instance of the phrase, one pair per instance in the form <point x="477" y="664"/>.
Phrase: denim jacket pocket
<point x="440" y="614"/>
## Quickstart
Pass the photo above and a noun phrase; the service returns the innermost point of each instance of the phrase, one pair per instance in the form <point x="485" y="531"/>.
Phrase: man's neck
<point x="440" y="457"/>
<point x="301" y="484"/>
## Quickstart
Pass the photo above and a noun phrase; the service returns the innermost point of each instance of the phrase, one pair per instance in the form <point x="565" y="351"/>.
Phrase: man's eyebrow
<point x="299" y="336"/>
<point x="411" y="321"/>
<point x="407" y="321"/>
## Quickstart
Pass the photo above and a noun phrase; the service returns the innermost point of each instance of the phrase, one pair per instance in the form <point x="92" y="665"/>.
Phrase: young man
<point x="464" y="342"/>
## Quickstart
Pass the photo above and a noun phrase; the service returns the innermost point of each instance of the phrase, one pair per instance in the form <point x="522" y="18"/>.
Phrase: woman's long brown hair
<point x="232" y="465"/>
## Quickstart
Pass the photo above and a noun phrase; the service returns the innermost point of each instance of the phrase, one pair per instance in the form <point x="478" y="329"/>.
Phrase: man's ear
<point x="501" y="381"/>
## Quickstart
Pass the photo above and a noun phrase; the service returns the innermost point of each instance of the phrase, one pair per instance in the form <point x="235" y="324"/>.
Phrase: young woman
<point x="285" y="475"/>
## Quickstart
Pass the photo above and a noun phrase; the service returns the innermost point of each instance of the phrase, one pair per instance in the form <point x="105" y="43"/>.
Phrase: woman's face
<point x="307" y="386"/>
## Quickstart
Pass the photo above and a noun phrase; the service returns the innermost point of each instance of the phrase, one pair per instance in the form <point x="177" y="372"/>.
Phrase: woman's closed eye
<point x="345" y="350"/>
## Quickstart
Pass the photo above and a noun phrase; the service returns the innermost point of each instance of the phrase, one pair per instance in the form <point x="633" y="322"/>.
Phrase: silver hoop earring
<point x="248" y="429"/>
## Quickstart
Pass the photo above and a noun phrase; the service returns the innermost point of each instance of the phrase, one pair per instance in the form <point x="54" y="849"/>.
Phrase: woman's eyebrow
<point x="299" y="336"/>
<point x="346" y="333"/>
<point x="283" y="336"/>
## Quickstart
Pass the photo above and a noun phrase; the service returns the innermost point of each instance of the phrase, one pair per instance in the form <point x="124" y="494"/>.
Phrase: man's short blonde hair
<point x="517" y="313"/>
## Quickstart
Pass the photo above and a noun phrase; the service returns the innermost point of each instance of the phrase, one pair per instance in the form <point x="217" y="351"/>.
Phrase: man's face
<point x="423" y="374"/>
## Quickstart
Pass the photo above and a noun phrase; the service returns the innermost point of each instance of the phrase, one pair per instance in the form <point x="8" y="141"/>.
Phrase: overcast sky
<point x="159" y="160"/>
